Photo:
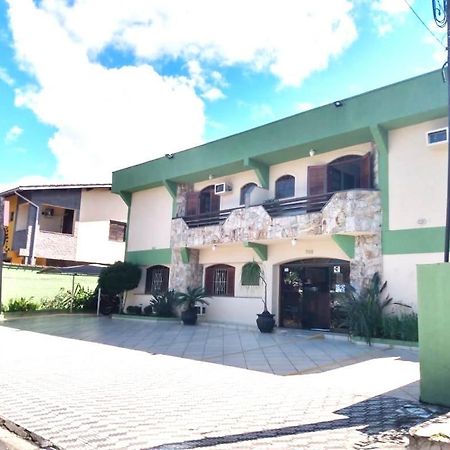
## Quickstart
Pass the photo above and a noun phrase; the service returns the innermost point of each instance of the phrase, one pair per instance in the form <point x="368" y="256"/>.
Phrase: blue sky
<point x="90" y="86"/>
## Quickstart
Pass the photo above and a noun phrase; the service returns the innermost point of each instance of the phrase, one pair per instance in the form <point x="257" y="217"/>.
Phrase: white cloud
<point x="388" y="14"/>
<point x="303" y="106"/>
<point x="213" y="94"/>
<point x="108" y="118"/>
<point x="5" y="77"/>
<point x="13" y="134"/>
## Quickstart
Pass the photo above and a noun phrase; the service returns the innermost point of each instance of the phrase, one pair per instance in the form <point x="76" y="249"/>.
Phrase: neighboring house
<point x="320" y="199"/>
<point x="63" y="225"/>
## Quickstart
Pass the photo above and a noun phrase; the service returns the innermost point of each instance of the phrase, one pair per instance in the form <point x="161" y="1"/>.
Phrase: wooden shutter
<point x="148" y="280"/>
<point x="215" y="202"/>
<point x="165" y="277"/>
<point x="209" y="278"/>
<point x="192" y="203"/>
<point x="230" y="281"/>
<point x="317" y="180"/>
<point x="366" y="171"/>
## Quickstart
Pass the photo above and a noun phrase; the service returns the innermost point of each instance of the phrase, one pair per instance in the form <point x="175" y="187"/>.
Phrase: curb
<point x="27" y="435"/>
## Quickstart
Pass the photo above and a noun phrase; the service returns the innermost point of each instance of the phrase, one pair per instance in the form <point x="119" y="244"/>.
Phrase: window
<point x="251" y="273"/>
<point x="285" y="187"/>
<point x="247" y="188"/>
<point x="209" y="201"/>
<point x="117" y="231"/>
<point x="219" y="280"/>
<point x="157" y="280"/>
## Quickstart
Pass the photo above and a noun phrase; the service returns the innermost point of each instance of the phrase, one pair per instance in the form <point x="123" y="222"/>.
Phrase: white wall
<point x="237" y="181"/>
<point x="400" y="272"/>
<point x="150" y="219"/>
<point x="247" y="302"/>
<point x="99" y="206"/>
<point x="299" y="167"/>
<point x="417" y="178"/>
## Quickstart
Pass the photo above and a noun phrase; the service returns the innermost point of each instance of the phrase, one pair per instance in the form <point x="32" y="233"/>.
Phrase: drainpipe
<point x="31" y="254"/>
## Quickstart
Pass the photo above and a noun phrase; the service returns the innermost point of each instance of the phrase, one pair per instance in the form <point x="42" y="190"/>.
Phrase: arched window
<point x="157" y="280"/>
<point x="209" y="201"/>
<point x="219" y="280"/>
<point x="285" y="187"/>
<point x="251" y="274"/>
<point x="245" y="190"/>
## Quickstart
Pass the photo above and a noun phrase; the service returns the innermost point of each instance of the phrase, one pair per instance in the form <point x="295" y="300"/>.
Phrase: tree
<point x="118" y="278"/>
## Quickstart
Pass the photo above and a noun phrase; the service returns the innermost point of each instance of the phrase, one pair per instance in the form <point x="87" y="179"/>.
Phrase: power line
<point x="423" y="23"/>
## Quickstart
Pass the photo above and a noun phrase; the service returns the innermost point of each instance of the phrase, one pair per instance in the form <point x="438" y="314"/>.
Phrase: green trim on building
<point x="185" y="254"/>
<point x="126" y="197"/>
<point x="259" y="249"/>
<point x="346" y="243"/>
<point x="416" y="240"/>
<point x="325" y="129"/>
<point x="262" y="171"/>
<point x="150" y="257"/>
<point x="434" y="332"/>
<point x="380" y="137"/>
<point x="171" y="188"/>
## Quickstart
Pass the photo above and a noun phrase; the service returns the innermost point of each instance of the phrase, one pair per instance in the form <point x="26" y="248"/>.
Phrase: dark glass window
<point x="285" y="187"/>
<point x="157" y="280"/>
<point x="219" y="280"/>
<point x="244" y="190"/>
<point x="117" y="231"/>
<point x="209" y="201"/>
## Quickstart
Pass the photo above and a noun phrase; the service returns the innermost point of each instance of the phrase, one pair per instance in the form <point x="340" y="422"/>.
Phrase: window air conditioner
<point x="435" y="137"/>
<point x="48" y="212"/>
<point x="222" y="188"/>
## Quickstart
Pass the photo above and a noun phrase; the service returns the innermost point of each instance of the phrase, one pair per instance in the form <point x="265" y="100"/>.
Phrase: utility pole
<point x="2" y="245"/>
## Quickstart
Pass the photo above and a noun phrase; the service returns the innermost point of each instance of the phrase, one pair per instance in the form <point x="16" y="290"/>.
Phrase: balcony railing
<point x="296" y="206"/>
<point x="275" y="208"/>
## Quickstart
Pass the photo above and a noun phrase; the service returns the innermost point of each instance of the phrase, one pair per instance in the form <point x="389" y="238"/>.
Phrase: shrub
<point x="403" y="327"/>
<point x="148" y="310"/>
<point x="163" y="304"/>
<point x="21" y="304"/>
<point x="136" y="310"/>
<point x="363" y="310"/>
<point x="119" y="277"/>
<point x="82" y="299"/>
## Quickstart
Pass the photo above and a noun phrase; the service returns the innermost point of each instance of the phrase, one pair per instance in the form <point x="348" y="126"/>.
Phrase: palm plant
<point x="162" y="304"/>
<point x="363" y="310"/>
<point x="187" y="301"/>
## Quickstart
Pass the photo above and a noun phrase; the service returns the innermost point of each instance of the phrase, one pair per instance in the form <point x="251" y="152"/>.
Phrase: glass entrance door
<point x="305" y="291"/>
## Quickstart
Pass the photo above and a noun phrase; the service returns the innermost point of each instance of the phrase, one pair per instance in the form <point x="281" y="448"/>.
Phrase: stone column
<point x="182" y="190"/>
<point x="367" y="260"/>
<point x="184" y="275"/>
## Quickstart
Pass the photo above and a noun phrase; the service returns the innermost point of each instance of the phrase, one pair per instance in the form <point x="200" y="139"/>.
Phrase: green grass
<point x="29" y="283"/>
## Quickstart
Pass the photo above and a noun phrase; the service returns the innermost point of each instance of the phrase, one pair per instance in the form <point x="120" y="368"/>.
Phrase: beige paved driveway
<point x="86" y="395"/>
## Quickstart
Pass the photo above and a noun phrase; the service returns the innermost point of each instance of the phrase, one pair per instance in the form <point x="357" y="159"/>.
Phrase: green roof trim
<point x="185" y="254"/>
<point x="150" y="257"/>
<point x="259" y="249"/>
<point x="346" y="243"/>
<point x="416" y="240"/>
<point x="261" y="170"/>
<point x="325" y="129"/>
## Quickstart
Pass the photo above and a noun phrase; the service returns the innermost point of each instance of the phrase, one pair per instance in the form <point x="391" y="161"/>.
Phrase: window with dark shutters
<point x="209" y="201"/>
<point x="285" y="187"/>
<point x="117" y="231"/>
<point x="366" y="171"/>
<point x="219" y="280"/>
<point x="192" y="203"/>
<point x="157" y="280"/>
<point x="317" y="180"/>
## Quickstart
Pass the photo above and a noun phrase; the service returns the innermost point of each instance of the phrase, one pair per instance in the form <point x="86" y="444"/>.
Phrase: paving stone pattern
<point x="82" y="394"/>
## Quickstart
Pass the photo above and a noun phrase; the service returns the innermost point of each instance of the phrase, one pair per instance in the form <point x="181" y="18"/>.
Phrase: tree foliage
<point x="119" y="277"/>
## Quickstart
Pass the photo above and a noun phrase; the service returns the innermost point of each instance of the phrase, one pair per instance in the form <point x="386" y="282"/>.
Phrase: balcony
<point x="353" y="212"/>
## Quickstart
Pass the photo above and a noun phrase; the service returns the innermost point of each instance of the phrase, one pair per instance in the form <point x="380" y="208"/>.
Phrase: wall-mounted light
<point x="213" y="248"/>
<point x="338" y="103"/>
<point x="293" y="242"/>
<point x="169" y="155"/>
<point x="210" y="176"/>
<point x="312" y="152"/>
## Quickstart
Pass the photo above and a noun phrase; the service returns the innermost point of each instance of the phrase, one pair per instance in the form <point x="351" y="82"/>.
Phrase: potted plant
<point x="265" y="320"/>
<point x="187" y="302"/>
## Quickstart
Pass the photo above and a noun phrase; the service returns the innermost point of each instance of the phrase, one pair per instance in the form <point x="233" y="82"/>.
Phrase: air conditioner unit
<point x="222" y="188"/>
<point x="439" y="136"/>
<point x="48" y="212"/>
